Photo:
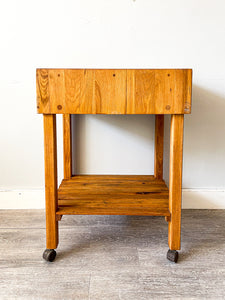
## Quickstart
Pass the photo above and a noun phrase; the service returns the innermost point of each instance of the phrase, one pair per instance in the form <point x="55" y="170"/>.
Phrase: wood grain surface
<point x="117" y="195"/>
<point x="67" y="146"/>
<point x="175" y="180"/>
<point x="158" y="153"/>
<point x="118" y="91"/>
<point x="110" y="91"/>
<point x="51" y="201"/>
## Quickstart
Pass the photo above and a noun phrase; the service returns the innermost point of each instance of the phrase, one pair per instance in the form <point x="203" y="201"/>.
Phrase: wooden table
<point x="107" y="91"/>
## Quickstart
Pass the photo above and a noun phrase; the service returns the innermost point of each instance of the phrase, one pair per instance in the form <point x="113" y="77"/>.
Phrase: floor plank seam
<point x="89" y="286"/>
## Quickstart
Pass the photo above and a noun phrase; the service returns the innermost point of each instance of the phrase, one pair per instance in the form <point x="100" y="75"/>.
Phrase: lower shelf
<point x="113" y="195"/>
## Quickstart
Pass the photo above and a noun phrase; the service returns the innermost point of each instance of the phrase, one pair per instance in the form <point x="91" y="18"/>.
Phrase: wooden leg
<point x="67" y="148"/>
<point x="159" y="133"/>
<point x="175" y="180"/>
<point x="51" y="200"/>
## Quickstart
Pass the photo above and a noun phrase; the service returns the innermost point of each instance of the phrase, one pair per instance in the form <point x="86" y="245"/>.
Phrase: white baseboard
<point x="203" y="198"/>
<point x="22" y="199"/>
<point x="35" y="199"/>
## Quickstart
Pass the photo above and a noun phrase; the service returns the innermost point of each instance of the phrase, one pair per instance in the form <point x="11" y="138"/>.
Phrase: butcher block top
<point x="114" y="91"/>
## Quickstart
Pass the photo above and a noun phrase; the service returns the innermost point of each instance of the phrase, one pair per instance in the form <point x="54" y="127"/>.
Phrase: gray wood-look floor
<point x="112" y="257"/>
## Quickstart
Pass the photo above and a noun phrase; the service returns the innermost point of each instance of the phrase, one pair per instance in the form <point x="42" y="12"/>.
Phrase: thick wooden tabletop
<point x="118" y="91"/>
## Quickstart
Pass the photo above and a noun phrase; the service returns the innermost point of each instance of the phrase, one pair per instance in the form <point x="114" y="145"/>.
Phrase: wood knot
<point x="143" y="193"/>
<point x="59" y="107"/>
<point x="58" y="75"/>
<point x="187" y="107"/>
<point x="168" y="107"/>
<point x="114" y="75"/>
<point x="168" y="75"/>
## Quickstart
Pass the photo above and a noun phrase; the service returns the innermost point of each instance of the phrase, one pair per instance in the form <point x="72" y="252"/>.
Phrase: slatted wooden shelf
<point x="113" y="195"/>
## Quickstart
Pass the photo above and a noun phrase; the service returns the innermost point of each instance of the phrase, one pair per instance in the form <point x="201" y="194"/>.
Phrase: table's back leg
<point x="159" y="133"/>
<point x="175" y="180"/>
<point x="51" y="200"/>
<point x="67" y="146"/>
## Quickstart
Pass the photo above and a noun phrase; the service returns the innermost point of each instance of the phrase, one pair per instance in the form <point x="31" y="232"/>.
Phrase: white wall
<point x="112" y="34"/>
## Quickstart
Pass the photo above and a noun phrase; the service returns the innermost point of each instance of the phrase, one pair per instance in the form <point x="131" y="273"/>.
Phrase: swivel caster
<point x="49" y="254"/>
<point x="172" y="255"/>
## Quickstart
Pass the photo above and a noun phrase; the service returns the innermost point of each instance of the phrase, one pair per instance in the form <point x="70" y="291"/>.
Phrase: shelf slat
<point x="113" y="195"/>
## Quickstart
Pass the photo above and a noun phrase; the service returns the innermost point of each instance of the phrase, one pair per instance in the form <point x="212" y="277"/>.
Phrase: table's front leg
<point x="51" y="199"/>
<point x="175" y="183"/>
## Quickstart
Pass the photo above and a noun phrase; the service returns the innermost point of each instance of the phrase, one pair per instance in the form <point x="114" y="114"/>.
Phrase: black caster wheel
<point x="49" y="254"/>
<point x="172" y="255"/>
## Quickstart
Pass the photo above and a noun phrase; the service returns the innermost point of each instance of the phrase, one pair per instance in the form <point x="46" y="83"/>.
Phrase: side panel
<point x="107" y="91"/>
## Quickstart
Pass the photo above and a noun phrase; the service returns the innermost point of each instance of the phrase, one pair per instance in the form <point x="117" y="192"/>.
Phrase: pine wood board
<point x="114" y="91"/>
<point x="117" y="195"/>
